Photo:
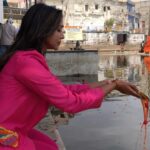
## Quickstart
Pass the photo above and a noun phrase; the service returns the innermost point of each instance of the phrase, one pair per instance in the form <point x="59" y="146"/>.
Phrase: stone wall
<point x="67" y="63"/>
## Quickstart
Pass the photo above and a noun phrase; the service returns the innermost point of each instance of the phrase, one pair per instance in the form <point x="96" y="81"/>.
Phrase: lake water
<point x="116" y="125"/>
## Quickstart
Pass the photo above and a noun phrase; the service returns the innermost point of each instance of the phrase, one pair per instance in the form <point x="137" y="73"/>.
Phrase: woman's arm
<point x="35" y="77"/>
<point x="83" y="87"/>
<point x="77" y="87"/>
<point x="119" y="85"/>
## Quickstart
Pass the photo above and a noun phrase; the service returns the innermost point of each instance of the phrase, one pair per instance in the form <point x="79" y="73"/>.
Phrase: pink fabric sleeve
<point x="77" y="87"/>
<point x="34" y="74"/>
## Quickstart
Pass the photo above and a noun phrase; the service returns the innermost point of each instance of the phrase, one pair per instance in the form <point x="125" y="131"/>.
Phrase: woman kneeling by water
<point x="28" y="87"/>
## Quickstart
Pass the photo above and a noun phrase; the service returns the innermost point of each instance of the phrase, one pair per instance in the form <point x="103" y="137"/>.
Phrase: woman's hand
<point x="119" y="85"/>
<point x="126" y="88"/>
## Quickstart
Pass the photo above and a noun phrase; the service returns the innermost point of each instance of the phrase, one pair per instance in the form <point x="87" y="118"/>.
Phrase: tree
<point x="108" y="24"/>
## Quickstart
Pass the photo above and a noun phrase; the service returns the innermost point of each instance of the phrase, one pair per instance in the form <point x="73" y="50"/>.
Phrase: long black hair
<point x="39" y="22"/>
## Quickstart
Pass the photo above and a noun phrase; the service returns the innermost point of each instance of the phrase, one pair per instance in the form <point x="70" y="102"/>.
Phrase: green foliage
<point x="109" y="23"/>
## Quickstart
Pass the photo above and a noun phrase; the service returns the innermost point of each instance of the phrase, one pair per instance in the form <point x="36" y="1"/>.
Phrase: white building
<point x="91" y="15"/>
<point x="143" y="7"/>
<point x="1" y="11"/>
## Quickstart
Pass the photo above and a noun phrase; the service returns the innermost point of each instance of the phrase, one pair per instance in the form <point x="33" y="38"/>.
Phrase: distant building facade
<point x="143" y="7"/>
<point x="92" y="15"/>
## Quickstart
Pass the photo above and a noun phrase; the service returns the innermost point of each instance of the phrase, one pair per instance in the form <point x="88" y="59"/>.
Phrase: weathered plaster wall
<point x="1" y="11"/>
<point x="73" y="62"/>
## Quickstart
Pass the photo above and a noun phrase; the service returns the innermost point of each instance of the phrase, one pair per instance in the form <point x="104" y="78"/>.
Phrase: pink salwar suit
<point x="27" y="89"/>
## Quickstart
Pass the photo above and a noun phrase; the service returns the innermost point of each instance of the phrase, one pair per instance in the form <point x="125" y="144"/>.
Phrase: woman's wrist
<point x="108" y="81"/>
<point x="115" y="82"/>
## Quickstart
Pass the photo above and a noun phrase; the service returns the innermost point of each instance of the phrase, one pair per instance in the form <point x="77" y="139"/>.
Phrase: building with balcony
<point x="90" y="15"/>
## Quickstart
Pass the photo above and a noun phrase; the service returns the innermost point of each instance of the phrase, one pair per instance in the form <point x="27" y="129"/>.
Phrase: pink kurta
<point x="27" y="89"/>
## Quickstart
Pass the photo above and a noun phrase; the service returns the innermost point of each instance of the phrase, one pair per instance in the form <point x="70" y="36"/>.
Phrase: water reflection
<point x="117" y="124"/>
<point x="133" y="68"/>
<point x="147" y="66"/>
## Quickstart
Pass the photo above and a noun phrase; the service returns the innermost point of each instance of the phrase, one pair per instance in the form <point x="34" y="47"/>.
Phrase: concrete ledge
<point x="69" y="51"/>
